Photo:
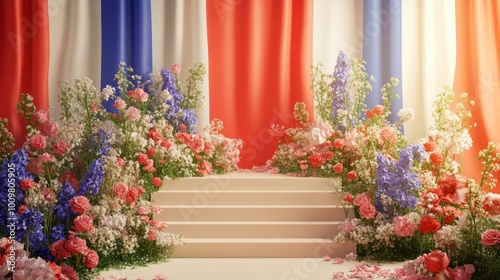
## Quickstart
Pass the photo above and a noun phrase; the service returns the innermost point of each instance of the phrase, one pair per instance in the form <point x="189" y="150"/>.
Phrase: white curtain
<point x="429" y="55"/>
<point x="75" y="45"/>
<point x="180" y="37"/>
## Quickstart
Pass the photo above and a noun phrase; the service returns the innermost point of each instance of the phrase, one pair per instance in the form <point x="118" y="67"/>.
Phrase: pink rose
<point x="132" y="195"/>
<point x="337" y="168"/>
<point x="42" y="116"/>
<point x="176" y="69"/>
<point x="491" y="204"/>
<point x="120" y="190"/>
<point x="51" y="129"/>
<point x="133" y="113"/>
<point x="60" y="147"/>
<point x="361" y="199"/>
<point x="143" y="211"/>
<point x="83" y="223"/>
<point x="138" y="94"/>
<point x="156" y="209"/>
<point x="436" y="261"/>
<point x="404" y="226"/>
<point x="157" y="182"/>
<point x="75" y="245"/>
<point x="69" y="272"/>
<point x="79" y="204"/>
<point x="90" y="258"/>
<point x="205" y="168"/>
<point x="46" y="157"/>
<point x="48" y="195"/>
<point x="490" y="237"/>
<point x="119" y="104"/>
<point x="59" y="251"/>
<point x="120" y="162"/>
<point x="367" y="211"/>
<point x="37" y="142"/>
<point x="387" y="135"/>
<point x="26" y="184"/>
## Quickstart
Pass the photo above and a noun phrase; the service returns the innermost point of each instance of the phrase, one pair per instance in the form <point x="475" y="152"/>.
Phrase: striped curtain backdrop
<point x="258" y="54"/>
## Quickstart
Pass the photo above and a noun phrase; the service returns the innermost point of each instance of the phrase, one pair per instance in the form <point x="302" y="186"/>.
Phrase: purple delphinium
<point x="340" y="92"/>
<point x="57" y="233"/>
<point x="397" y="184"/>
<point x="91" y="181"/>
<point x="62" y="210"/>
<point x="176" y="115"/>
<point x="12" y="172"/>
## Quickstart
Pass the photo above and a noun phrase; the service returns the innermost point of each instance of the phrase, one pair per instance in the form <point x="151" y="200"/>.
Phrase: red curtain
<point x="24" y="56"/>
<point x="260" y="56"/>
<point x="478" y="74"/>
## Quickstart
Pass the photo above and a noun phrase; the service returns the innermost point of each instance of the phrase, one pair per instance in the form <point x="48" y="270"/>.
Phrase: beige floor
<point x="240" y="269"/>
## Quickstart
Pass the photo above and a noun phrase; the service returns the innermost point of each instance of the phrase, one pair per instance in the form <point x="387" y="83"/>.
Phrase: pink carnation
<point x="133" y="113"/>
<point x="404" y="226"/>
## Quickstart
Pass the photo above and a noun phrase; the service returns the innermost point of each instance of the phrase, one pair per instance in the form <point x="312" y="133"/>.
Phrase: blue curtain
<point x="382" y="41"/>
<point x="126" y="37"/>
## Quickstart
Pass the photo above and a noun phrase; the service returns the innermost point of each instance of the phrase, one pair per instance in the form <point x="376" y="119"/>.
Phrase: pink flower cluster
<point x="366" y="208"/>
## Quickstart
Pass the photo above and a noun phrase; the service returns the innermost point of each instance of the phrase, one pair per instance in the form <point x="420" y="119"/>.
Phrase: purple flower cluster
<point x="177" y="115"/>
<point x="62" y="210"/>
<point x="12" y="172"/>
<point x="397" y="184"/>
<point x="91" y="181"/>
<point x="340" y="91"/>
<point x="29" y="227"/>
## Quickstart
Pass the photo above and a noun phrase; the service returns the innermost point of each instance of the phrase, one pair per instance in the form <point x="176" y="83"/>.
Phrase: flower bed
<point x="76" y="198"/>
<point x="410" y="200"/>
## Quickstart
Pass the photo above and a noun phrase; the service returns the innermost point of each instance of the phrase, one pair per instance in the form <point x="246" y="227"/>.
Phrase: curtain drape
<point x="260" y="59"/>
<point x="382" y="49"/>
<point x="75" y="45"/>
<point x="478" y="74"/>
<point x="429" y="54"/>
<point x="24" y="54"/>
<point x="180" y="37"/>
<point x="126" y="37"/>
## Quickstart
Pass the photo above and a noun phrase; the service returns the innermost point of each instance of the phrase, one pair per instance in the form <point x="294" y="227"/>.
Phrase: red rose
<point x="436" y="261"/>
<point x="83" y="223"/>
<point x="429" y="224"/>
<point x="155" y="135"/>
<point x="436" y="158"/>
<point x="157" y="182"/>
<point x="75" y="245"/>
<point x="454" y="188"/>
<point x="60" y="147"/>
<point x="142" y="158"/>
<point x="429" y="146"/>
<point x="120" y="190"/>
<point x="71" y="178"/>
<point x="79" y="204"/>
<point x="90" y="258"/>
<point x="490" y="237"/>
<point x="37" y="142"/>
<point x="59" y="251"/>
<point x="351" y="175"/>
<point x="316" y="159"/>
<point x="348" y="198"/>
<point x="26" y="184"/>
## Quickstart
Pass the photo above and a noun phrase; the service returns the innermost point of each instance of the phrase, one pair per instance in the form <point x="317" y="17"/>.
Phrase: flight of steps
<point x="253" y="215"/>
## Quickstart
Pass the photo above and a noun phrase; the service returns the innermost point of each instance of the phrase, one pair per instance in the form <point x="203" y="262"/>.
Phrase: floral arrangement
<point x="408" y="199"/>
<point x="76" y="198"/>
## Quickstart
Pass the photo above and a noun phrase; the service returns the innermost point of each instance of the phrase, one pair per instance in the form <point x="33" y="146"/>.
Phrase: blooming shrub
<point x="408" y="199"/>
<point x="78" y="192"/>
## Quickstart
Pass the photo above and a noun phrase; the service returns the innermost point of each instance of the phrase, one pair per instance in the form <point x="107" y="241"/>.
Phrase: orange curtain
<point x="260" y="56"/>
<point x="478" y="74"/>
<point x="24" y="58"/>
